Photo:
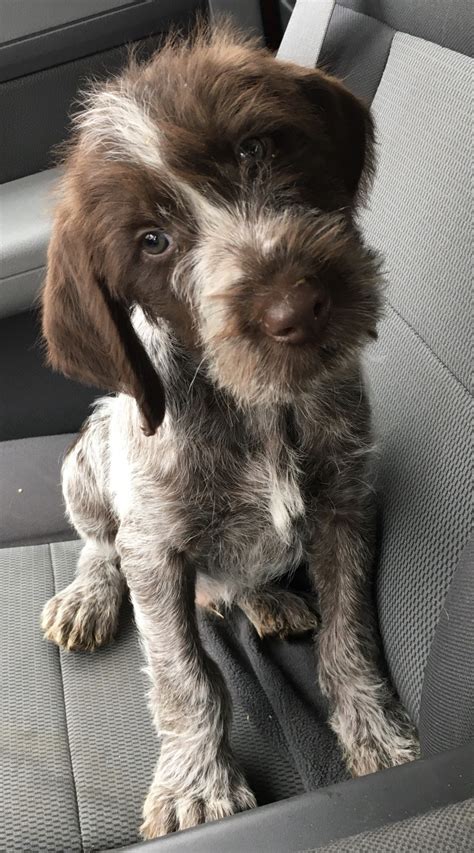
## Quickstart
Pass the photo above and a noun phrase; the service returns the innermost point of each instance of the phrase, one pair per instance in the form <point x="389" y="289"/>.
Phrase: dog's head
<point x="216" y="188"/>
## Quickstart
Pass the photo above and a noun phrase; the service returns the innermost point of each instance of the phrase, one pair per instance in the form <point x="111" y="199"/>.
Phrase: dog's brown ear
<point x="349" y="126"/>
<point x="88" y="331"/>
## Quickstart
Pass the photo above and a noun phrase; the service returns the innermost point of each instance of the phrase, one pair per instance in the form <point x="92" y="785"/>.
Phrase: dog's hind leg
<point x="85" y="614"/>
<point x="279" y="612"/>
<point x="274" y="612"/>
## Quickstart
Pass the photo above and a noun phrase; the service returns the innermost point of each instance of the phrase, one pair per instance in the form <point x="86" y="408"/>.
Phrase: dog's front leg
<point x="196" y="778"/>
<point x="373" y="729"/>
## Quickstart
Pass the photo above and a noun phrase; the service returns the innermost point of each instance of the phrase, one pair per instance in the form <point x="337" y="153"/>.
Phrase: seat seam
<point x="7" y="278"/>
<point x="78" y="811"/>
<point x="429" y="348"/>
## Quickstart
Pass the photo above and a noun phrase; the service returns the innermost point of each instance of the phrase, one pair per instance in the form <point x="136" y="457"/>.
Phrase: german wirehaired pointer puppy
<point x="205" y="265"/>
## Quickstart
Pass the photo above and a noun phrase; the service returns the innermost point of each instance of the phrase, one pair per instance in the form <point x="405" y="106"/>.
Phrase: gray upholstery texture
<point x="112" y="744"/>
<point x="419" y="371"/>
<point x="446" y="830"/>
<point x="76" y="744"/>
<point x="356" y="48"/>
<point x="38" y="810"/>
<point x="303" y="39"/>
<point x="447" y="699"/>
<point x="419" y="211"/>
<point x="81" y="720"/>
<point x="31" y="507"/>
<point x="448" y="23"/>
<point x="359" y="37"/>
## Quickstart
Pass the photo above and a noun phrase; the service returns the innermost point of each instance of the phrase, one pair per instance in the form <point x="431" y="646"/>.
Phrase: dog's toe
<point x="373" y="756"/>
<point x="159" y="816"/>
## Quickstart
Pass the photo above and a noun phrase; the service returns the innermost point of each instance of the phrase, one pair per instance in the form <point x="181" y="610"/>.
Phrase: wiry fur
<point x="262" y="459"/>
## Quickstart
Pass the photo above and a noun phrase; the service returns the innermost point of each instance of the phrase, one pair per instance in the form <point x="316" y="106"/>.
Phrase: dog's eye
<point x="155" y="242"/>
<point x="253" y="148"/>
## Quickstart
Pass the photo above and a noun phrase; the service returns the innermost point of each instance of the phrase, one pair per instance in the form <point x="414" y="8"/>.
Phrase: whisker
<point x="195" y="375"/>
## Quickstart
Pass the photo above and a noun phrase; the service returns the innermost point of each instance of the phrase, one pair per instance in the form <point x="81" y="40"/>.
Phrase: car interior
<point x="77" y="747"/>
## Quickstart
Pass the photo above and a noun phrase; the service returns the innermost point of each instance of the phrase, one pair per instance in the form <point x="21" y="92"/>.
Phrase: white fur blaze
<point x="120" y="121"/>
<point x="286" y="503"/>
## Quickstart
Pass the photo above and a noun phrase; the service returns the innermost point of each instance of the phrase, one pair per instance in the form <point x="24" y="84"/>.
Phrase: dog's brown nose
<point x="298" y="316"/>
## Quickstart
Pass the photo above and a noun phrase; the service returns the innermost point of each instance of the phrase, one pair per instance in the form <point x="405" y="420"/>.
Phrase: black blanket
<point x="280" y="733"/>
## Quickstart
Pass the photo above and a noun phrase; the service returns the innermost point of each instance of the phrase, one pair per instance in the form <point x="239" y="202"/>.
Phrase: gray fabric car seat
<point x="446" y="830"/>
<point x="76" y="746"/>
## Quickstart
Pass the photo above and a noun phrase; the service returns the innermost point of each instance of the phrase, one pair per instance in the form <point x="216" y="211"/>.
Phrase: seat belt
<point x="304" y="35"/>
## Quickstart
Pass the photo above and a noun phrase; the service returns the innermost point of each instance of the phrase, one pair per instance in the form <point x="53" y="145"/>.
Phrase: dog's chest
<point x="281" y="497"/>
<point x="256" y="527"/>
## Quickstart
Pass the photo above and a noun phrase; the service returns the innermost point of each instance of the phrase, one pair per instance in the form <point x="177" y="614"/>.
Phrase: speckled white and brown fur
<point x="261" y="460"/>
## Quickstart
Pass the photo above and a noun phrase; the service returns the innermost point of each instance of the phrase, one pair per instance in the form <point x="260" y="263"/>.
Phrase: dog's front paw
<point x="77" y="619"/>
<point x="167" y="810"/>
<point x="385" y="740"/>
<point x="373" y="755"/>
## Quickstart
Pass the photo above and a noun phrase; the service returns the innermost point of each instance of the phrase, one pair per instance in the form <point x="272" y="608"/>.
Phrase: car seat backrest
<point x="412" y="60"/>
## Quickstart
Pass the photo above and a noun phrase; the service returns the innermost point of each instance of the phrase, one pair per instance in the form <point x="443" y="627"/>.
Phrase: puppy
<point x="206" y="266"/>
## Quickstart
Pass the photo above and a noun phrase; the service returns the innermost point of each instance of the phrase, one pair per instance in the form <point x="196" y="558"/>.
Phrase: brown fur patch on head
<point x="204" y="94"/>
